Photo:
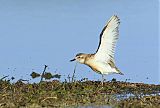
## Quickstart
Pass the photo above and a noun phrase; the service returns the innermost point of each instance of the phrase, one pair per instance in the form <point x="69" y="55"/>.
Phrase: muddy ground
<point x="78" y="93"/>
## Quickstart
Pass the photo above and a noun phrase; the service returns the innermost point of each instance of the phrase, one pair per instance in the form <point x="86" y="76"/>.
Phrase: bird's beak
<point x="72" y="60"/>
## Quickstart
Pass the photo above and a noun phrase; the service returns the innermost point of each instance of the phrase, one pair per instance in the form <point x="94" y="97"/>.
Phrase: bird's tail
<point x="119" y="72"/>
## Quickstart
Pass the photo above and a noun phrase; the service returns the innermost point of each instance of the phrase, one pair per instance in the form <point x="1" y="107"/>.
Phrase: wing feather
<point x="108" y="39"/>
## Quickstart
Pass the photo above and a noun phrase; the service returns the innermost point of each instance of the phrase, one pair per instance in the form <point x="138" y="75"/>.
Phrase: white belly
<point x="103" y="68"/>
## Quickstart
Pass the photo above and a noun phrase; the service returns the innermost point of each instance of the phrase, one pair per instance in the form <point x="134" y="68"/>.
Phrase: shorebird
<point x="102" y="61"/>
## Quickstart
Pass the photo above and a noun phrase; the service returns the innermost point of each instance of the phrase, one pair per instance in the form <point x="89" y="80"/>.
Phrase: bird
<point x="103" y="61"/>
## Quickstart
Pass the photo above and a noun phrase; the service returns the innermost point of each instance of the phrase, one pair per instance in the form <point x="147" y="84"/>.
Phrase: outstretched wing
<point x="108" y="39"/>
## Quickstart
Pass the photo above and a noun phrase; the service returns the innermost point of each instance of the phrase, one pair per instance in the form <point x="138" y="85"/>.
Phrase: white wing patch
<point x="108" y="39"/>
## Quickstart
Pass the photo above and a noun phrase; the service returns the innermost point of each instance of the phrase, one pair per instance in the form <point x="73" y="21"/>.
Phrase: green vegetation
<point x="78" y="93"/>
<point x="74" y="93"/>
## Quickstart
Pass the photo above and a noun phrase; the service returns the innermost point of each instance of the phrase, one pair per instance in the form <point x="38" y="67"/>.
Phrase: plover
<point x="102" y="61"/>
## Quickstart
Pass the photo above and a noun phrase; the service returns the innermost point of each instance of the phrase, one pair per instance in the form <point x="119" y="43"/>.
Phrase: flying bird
<point x="102" y="61"/>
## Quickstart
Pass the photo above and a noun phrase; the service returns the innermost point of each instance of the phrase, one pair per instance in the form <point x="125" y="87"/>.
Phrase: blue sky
<point x="39" y="32"/>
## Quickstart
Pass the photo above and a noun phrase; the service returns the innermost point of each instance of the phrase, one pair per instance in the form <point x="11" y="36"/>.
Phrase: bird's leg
<point x="102" y="80"/>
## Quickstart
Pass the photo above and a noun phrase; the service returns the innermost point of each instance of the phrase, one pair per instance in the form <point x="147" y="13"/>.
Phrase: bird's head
<point x="80" y="57"/>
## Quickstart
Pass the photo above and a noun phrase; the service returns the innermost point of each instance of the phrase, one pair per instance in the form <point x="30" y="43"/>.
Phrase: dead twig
<point x="48" y="98"/>
<point x="73" y="76"/>
<point x="45" y="66"/>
